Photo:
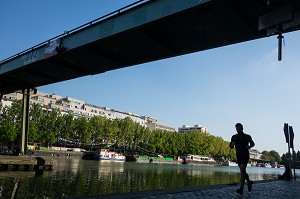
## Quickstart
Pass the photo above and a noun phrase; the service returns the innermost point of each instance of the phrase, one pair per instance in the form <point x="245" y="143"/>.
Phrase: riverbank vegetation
<point x="50" y="127"/>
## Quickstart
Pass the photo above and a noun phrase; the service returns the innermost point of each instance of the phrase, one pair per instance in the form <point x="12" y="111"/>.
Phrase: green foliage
<point x="286" y="157"/>
<point x="271" y="156"/>
<point x="96" y="126"/>
<point x="49" y="127"/>
<point x="275" y="155"/>
<point x="151" y="147"/>
<point x="10" y="122"/>
<point x="82" y="132"/>
<point x="33" y="134"/>
<point x="35" y="122"/>
<point x="160" y="148"/>
<point x="69" y="126"/>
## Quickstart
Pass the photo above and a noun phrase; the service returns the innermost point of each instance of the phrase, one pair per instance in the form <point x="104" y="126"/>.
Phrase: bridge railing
<point x="66" y="33"/>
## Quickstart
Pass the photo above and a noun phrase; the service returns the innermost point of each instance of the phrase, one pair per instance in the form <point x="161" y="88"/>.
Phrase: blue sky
<point x="215" y="88"/>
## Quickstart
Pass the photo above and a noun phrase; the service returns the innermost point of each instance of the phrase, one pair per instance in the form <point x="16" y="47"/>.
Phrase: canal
<point x="75" y="177"/>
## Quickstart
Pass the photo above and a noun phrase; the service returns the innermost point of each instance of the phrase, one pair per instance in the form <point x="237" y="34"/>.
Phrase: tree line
<point x="53" y="128"/>
<point x="285" y="158"/>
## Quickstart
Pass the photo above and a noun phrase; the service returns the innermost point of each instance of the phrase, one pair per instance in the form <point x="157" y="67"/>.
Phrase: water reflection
<point x="75" y="177"/>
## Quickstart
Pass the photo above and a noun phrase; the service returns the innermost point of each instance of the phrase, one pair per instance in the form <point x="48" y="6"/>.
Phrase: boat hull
<point x="197" y="159"/>
<point x="103" y="156"/>
<point x="233" y="164"/>
<point x="230" y="163"/>
<point x="150" y="159"/>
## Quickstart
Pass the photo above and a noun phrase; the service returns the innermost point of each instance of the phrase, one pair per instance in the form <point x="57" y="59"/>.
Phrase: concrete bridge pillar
<point x="25" y="118"/>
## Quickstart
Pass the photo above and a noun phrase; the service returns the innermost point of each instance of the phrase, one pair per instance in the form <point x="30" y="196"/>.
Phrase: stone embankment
<point x="261" y="190"/>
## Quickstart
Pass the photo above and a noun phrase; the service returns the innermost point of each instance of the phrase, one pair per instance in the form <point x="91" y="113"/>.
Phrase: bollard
<point x="40" y="163"/>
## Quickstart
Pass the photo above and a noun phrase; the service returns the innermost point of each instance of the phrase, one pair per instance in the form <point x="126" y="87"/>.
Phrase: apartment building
<point x="197" y="127"/>
<point x="254" y="154"/>
<point x="9" y="98"/>
<point x="44" y="99"/>
<point x="158" y="126"/>
<point x="80" y="108"/>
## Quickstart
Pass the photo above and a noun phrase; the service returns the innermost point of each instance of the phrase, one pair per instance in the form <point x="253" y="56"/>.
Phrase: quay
<point x="25" y="163"/>
<point x="261" y="190"/>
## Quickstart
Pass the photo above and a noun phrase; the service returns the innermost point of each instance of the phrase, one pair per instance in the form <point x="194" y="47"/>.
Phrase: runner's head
<point x="239" y="127"/>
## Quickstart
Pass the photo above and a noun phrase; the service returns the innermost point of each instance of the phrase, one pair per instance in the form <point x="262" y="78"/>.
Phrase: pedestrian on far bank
<point x="242" y="143"/>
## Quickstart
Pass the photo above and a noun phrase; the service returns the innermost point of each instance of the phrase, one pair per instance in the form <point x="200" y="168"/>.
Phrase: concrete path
<point x="261" y="190"/>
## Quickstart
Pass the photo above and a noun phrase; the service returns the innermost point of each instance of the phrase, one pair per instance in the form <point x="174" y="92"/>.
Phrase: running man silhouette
<point x="242" y="143"/>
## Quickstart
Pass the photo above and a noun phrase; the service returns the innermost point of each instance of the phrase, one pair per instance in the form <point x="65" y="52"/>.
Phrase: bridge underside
<point x="204" y="26"/>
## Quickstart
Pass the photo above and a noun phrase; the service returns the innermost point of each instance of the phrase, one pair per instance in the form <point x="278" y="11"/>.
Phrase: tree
<point x="33" y="135"/>
<point x="108" y="136"/>
<point x="160" y="148"/>
<point x="139" y="135"/>
<point x="171" y="147"/>
<point x="271" y="156"/>
<point x="8" y="131"/>
<point x="284" y="159"/>
<point x="119" y="137"/>
<point x="69" y="126"/>
<point x="195" y="145"/>
<point x="181" y="146"/>
<point x="127" y="129"/>
<point x="48" y="128"/>
<point x="81" y="129"/>
<point x="35" y="122"/>
<point x="60" y="125"/>
<point x="151" y="148"/>
<point x="275" y="155"/>
<point x="10" y="120"/>
<point x="265" y="155"/>
<point x="96" y="126"/>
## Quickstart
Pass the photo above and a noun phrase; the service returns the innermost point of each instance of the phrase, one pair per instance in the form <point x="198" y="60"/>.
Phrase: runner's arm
<point x="232" y="142"/>
<point x="251" y="143"/>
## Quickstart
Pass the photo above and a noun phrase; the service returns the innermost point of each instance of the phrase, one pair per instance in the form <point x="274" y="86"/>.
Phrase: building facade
<point x="80" y="108"/>
<point x="197" y="127"/>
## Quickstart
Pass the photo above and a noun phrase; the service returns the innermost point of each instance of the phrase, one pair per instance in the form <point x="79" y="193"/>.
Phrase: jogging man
<point x="242" y="142"/>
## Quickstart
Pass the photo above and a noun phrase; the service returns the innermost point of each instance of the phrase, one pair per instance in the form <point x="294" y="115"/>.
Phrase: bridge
<point x="145" y="31"/>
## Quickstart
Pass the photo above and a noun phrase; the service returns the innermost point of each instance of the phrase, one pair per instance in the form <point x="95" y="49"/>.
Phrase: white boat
<point x="198" y="159"/>
<point x="229" y="163"/>
<point x="104" y="154"/>
<point x="267" y="165"/>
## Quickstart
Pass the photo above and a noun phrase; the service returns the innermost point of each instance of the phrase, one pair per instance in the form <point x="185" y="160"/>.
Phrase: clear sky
<point x="215" y="88"/>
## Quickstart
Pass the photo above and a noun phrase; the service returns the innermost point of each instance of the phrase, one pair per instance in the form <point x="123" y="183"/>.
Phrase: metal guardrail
<point x="114" y="13"/>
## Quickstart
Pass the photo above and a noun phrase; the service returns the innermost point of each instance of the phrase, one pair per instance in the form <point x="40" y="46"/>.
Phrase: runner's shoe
<point x="239" y="191"/>
<point x="250" y="183"/>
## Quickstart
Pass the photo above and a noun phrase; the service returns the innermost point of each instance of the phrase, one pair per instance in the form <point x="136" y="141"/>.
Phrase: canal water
<point x="76" y="177"/>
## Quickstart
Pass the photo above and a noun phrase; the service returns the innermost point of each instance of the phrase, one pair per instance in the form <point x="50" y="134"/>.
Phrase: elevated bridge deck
<point x="146" y="31"/>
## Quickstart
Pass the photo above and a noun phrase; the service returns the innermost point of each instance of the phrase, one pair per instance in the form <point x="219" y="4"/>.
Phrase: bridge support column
<point x="25" y="118"/>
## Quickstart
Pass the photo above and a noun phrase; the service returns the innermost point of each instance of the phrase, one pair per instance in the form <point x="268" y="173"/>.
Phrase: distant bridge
<point x="146" y="31"/>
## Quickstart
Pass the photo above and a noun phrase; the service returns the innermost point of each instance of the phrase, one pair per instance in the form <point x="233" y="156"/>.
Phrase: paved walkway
<point x="261" y="189"/>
